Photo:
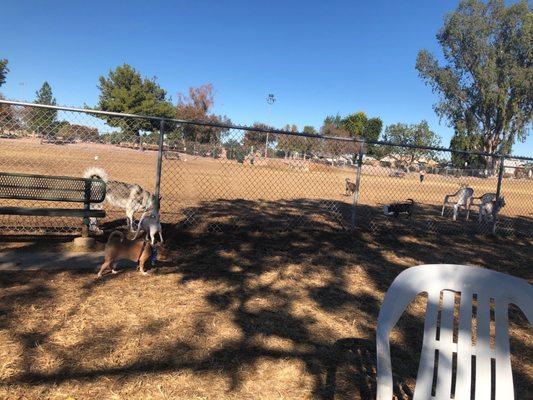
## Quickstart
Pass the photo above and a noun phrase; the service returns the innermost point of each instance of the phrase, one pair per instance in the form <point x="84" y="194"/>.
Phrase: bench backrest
<point x="51" y="188"/>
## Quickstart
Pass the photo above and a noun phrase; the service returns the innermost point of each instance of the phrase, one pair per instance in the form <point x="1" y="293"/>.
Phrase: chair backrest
<point x="457" y="330"/>
<point x="488" y="197"/>
<point x="464" y="194"/>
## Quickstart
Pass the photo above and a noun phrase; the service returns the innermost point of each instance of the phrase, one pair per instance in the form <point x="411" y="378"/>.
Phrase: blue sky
<point x="317" y="57"/>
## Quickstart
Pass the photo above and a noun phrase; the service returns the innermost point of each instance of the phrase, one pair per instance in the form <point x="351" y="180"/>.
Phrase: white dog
<point x="488" y="209"/>
<point x="151" y="225"/>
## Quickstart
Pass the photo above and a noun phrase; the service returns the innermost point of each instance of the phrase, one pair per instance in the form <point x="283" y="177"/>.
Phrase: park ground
<point x="240" y="316"/>
<point x="266" y="296"/>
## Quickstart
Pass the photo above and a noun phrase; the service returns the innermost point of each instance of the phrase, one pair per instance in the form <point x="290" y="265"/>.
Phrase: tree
<point x="258" y="139"/>
<point x="465" y="142"/>
<point x="362" y="127"/>
<point x="287" y="143"/>
<point x="9" y="120"/>
<point x="414" y="135"/>
<point x="78" y="132"/>
<point x="125" y="91"/>
<point x="486" y="83"/>
<point x="333" y="120"/>
<point x="43" y="121"/>
<point x="3" y="71"/>
<point x="333" y="127"/>
<point x="197" y="107"/>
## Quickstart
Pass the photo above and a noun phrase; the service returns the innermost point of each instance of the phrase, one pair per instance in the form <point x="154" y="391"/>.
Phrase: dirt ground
<point x="191" y="182"/>
<point x="243" y="316"/>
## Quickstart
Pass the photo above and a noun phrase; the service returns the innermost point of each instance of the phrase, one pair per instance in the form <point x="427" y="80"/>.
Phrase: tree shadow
<point x="293" y="282"/>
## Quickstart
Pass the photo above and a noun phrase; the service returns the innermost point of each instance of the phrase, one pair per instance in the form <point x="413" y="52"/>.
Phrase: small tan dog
<point x="118" y="247"/>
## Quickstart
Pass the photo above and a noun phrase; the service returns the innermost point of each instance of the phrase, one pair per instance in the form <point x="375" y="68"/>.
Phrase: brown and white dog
<point x="350" y="187"/>
<point x="118" y="247"/>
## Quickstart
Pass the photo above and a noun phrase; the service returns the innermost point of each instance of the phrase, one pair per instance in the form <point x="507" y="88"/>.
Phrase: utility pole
<point x="270" y="100"/>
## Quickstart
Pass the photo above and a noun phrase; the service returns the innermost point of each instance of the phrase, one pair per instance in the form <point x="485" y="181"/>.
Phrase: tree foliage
<point x="41" y="120"/>
<point x="125" y="90"/>
<point x="8" y="117"/>
<point x="467" y="142"/>
<point x="360" y="126"/>
<point x="3" y="71"/>
<point x="486" y="82"/>
<point x="414" y="135"/>
<point x="78" y="132"/>
<point x="333" y="127"/>
<point x="258" y="139"/>
<point x="196" y="106"/>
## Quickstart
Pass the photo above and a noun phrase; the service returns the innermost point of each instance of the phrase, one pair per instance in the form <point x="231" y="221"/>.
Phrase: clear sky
<point x="317" y="57"/>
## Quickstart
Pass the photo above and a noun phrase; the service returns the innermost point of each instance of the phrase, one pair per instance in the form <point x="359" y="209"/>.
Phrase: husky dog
<point x="151" y="225"/>
<point x="397" y="208"/>
<point x="129" y="196"/>
<point x="488" y="209"/>
<point x="350" y="187"/>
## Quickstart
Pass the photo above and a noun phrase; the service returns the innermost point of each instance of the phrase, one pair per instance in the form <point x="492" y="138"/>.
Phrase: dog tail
<point x="95" y="173"/>
<point x="116" y="237"/>
<point x="411" y="200"/>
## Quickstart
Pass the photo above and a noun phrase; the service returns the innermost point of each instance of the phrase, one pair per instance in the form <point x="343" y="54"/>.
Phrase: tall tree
<point x="257" y="139"/>
<point x="197" y="106"/>
<point x="44" y="121"/>
<point x="414" y="135"/>
<point x="125" y="90"/>
<point x="333" y="127"/>
<point x="486" y="82"/>
<point x="287" y="143"/>
<point x="3" y="71"/>
<point x="360" y="126"/>
<point x="9" y="120"/>
<point x="465" y="142"/>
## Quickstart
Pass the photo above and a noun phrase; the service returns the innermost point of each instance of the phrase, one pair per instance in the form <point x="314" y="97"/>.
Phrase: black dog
<point x="397" y="208"/>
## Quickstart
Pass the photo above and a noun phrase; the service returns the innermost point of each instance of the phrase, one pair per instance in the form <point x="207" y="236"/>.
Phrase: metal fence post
<point x="357" y="180"/>
<point x="159" y="164"/>
<point x="498" y="192"/>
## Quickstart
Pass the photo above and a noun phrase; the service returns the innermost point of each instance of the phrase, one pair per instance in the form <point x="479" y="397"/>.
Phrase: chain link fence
<point x="229" y="178"/>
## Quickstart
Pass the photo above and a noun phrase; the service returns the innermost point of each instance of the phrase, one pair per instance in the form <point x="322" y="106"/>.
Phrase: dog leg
<point x="104" y="266"/>
<point x="113" y="269"/>
<point x="160" y="235"/>
<point x="129" y="215"/>
<point x="145" y="256"/>
<point x="152" y="235"/>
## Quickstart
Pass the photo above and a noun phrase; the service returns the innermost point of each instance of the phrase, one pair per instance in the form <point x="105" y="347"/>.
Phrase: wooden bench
<point x="14" y="186"/>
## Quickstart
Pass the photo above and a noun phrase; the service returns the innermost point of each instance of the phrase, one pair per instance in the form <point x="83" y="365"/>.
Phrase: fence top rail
<point x="254" y="129"/>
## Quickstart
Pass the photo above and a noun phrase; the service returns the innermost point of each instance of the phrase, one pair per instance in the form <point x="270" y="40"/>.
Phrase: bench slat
<point x="52" y="212"/>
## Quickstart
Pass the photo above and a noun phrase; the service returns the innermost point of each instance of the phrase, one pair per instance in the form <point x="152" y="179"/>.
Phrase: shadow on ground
<point x="256" y="289"/>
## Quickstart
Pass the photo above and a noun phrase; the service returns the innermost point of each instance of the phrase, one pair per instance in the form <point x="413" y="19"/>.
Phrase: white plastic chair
<point x="459" y="199"/>
<point x="488" y="286"/>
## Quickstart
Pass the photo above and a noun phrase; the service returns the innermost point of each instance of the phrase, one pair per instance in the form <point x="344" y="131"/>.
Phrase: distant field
<point x="191" y="181"/>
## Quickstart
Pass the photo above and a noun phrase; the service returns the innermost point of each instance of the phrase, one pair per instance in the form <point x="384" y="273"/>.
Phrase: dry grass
<point x="249" y="316"/>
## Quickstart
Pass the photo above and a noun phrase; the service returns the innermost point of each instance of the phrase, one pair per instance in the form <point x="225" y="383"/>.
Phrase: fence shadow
<point x="310" y="294"/>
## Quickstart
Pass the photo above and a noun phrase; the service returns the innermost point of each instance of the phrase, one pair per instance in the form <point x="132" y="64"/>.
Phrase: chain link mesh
<point x="223" y="179"/>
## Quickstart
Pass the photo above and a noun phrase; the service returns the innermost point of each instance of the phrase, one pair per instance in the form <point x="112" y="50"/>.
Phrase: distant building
<point x="511" y="166"/>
